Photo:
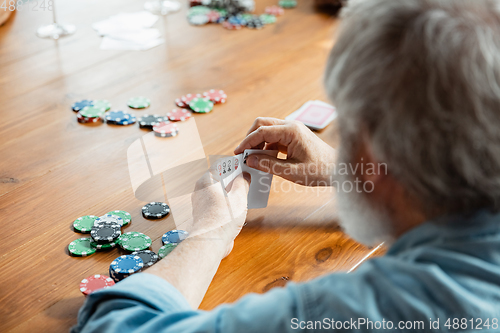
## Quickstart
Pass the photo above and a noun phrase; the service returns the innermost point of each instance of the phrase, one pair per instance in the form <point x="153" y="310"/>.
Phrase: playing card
<point x="260" y="184"/>
<point x="314" y="114"/>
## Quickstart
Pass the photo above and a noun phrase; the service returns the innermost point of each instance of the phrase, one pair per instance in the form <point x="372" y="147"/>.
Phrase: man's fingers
<point x="269" y="164"/>
<point x="266" y="134"/>
<point x="264" y="121"/>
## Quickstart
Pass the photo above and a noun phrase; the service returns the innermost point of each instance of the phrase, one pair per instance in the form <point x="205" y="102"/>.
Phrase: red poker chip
<point x="180" y="103"/>
<point x="166" y="127"/>
<point x="231" y="26"/>
<point x="95" y="282"/>
<point x="213" y="16"/>
<point x="274" y="10"/>
<point x="187" y="98"/>
<point x="179" y="115"/>
<point x="87" y="120"/>
<point x="216" y="96"/>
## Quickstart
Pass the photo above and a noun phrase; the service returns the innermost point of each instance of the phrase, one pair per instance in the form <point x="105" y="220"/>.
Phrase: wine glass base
<point x="55" y="30"/>
<point x="162" y="7"/>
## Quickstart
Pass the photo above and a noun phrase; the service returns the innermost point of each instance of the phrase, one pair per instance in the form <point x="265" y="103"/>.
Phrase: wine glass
<point x="162" y="7"/>
<point x="55" y="30"/>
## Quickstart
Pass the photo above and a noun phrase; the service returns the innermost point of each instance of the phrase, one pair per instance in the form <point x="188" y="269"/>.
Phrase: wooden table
<point x="54" y="169"/>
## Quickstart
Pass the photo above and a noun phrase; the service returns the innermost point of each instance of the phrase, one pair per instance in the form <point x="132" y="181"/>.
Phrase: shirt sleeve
<point x="147" y="303"/>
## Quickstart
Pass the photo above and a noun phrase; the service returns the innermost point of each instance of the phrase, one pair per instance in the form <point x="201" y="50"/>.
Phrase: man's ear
<point x="370" y="169"/>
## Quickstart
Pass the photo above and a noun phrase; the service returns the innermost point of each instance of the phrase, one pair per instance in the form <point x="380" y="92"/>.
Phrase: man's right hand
<point x="309" y="159"/>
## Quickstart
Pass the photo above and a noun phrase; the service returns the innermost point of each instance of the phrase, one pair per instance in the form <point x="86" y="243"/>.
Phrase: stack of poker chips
<point x="234" y="14"/>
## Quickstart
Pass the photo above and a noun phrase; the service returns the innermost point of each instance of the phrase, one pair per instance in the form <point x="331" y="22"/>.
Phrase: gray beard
<point x="359" y="219"/>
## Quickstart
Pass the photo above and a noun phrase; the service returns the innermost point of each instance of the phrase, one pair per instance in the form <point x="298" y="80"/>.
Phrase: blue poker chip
<point x="174" y="237"/>
<point x="120" y="118"/>
<point x="126" y="264"/>
<point x="237" y="19"/>
<point x="78" y="106"/>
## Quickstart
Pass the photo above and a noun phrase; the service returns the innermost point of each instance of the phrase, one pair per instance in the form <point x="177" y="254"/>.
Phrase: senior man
<point x="417" y="87"/>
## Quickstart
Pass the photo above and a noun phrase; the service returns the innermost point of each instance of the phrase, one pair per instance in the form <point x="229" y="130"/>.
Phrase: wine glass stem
<point x="54" y="12"/>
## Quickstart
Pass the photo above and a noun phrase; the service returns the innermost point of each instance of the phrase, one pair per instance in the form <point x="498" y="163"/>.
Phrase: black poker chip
<point x="155" y="210"/>
<point x="255" y="23"/>
<point x="148" y="121"/>
<point x="148" y="257"/>
<point x="106" y="232"/>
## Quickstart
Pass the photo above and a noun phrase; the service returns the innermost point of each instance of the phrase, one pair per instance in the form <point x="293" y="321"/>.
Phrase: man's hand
<point x="216" y="216"/>
<point x="309" y="159"/>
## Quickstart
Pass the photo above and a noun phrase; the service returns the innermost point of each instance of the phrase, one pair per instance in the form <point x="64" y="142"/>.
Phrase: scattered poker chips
<point x="267" y="18"/>
<point x="126" y="217"/>
<point x="288" y="3"/>
<point x="165" y="129"/>
<point x="174" y="236"/>
<point x="155" y="210"/>
<point x="178" y="115"/>
<point x="85" y="223"/>
<point x="124" y="266"/>
<point x="274" y="10"/>
<point x="120" y="118"/>
<point x="134" y="241"/>
<point x="81" y="247"/>
<point x="166" y="249"/>
<point x="148" y="121"/>
<point x="149" y="258"/>
<point x="105" y="232"/>
<point x="77" y="106"/>
<point x="95" y="282"/>
<point x="201" y="104"/>
<point x="216" y="96"/>
<point x="139" y="102"/>
<point x="101" y="104"/>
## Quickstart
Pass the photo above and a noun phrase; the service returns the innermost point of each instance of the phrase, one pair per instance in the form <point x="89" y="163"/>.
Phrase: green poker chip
<point x="126" y="217"/>
<point x="198" y="10"/>
<point x="287" y="3"/>
<point x="102" y="247"/>
<point x="166" y="249"/>
<point x="246" y="16"/>
<point x="84" y="224"/>
<point x="134" y="241"/>
<point x="92" y="112"/>
<point x="222" y="12"/>
<point x="268" y="18"/>
<point x="201" y="104"/>
<point x="81" y="247"/>
<point x="102" y="104"/>
<point x="139" y="102"/>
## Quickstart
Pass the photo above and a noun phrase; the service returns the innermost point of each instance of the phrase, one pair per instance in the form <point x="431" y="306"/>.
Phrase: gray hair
<point x="422" y="77"/>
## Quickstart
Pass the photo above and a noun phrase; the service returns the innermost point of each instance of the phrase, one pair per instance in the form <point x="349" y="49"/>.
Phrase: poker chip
<point x="213" y="16"/>
<point x="120" y="118"/>
<point x="149" y="258"/>
<point x="188" y="98"/>
<point x="104" y="247"/>
<point x="134" y="241"/>
<point x="77" y="106"/>
<point x="105" y="232"/>
<point x="274" y="10"/>
<point x="124" y="266"/>
<point x="287" y="3"/>
<point x="201" y="105"/>
<point x="95" y="282"/>
<point x="81" y="247"/>
<point x="174" y="237"/>
<point x="198" y="19"/>
<point x="91" y="112"/>
<point x="255" y="23"/>
<point x="216" y="96"/>
<point x="87" y="120"/>
<point x="236" y="19"/>
<point x="85" y="223"/>
<point x="231" y="26"/>
<point x="267" y="18"/>
<point x="198" y="10"/>
<point x="155" y="210"/>
<point x="102" y="104"/>
<point x="180" y="103"/>
<point x="126" y="217"/>
<point x="139" y="102"/>
<point x="148" y="121"/>
<point x="166" y="249"/>
<point x="179" y="115"/>
<point x="110" y="218"/>
<point x="166" y="128"/>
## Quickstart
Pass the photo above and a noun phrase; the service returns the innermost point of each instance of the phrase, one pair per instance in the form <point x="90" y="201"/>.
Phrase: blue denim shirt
<point x="446" y="270"/>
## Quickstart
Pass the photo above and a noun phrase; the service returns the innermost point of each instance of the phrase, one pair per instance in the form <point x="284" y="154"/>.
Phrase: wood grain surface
<point x="54" y="169"/>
